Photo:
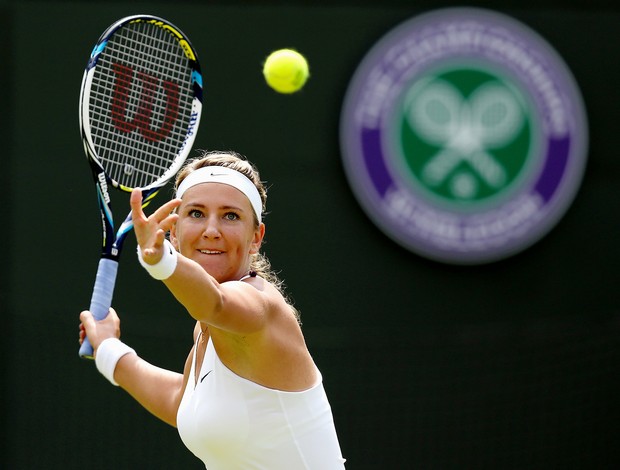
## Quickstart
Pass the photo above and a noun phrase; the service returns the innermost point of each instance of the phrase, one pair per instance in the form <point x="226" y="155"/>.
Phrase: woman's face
<point x="216" y="229"/>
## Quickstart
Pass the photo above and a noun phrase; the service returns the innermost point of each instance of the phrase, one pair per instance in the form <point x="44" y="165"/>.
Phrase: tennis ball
<point x="286" y="71"/>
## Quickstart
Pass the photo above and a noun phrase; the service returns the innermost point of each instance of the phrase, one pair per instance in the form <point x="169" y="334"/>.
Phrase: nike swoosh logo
<point x="204" y="376"/>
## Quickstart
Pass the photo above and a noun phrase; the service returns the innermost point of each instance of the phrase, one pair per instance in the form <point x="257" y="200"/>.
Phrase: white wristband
<point x="164" y="268"/>
<point x="108" y="354"/>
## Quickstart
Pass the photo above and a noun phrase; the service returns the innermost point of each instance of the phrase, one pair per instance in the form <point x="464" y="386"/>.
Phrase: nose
<point x="211" y="229"/>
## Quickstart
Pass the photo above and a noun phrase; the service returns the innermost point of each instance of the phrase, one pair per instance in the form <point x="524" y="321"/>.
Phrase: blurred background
<point x="509" y="365"/>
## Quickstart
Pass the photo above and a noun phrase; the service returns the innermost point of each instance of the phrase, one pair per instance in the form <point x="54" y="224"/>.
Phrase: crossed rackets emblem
<point x="466" y="130"/>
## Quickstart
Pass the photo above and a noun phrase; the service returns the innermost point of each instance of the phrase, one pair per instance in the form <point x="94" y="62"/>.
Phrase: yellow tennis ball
<point x="286" y="71"/>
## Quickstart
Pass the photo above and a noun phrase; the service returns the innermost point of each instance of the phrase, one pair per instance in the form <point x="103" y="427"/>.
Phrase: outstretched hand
<point x="151" y="231"/>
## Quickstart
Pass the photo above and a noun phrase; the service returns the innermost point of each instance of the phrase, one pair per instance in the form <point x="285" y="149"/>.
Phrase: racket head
<point x="140" y="102"/>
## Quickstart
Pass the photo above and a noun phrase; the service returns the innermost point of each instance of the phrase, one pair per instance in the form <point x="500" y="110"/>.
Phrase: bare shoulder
<point x="246" y="307"/>
<point x="279" y="341"/>
<point x="256" y="310"/>
<point x="277" y="303"/>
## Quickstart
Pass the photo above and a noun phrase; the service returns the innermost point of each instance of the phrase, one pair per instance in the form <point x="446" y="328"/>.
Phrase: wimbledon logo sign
<point x="464" y="136"/>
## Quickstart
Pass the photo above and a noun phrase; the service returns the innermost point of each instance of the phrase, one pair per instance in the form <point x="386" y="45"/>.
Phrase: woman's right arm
<point x="158" y="390"/>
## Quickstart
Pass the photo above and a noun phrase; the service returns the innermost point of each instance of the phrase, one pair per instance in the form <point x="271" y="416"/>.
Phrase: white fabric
<point x="108" y="354"/>
<point x="164" y="268"/>
<point x="231" y="423"/>
<point x="224" y="175"/>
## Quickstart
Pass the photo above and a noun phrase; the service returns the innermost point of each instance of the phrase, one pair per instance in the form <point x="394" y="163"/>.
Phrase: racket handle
<point x="101" y="300"/>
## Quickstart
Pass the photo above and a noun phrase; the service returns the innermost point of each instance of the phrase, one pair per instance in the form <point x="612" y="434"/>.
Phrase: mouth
<point x="211" y="252"/>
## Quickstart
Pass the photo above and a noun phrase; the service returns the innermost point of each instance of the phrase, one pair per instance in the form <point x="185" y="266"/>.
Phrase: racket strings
<point x="140" y="104"/>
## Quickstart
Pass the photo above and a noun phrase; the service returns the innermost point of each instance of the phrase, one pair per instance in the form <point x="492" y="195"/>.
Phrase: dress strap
<point x="250" y="274"/>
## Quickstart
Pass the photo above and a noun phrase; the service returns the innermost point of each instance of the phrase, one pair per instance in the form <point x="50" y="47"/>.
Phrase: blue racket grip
<point x="101" y="300"/>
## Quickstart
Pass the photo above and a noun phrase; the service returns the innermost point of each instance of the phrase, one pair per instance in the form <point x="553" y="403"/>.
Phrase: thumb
<point x="86" y="317"/>
<point x="88" y="321"/>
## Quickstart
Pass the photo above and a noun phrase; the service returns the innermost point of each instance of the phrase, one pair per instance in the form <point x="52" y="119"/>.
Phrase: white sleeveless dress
<point x="231" y="423"/>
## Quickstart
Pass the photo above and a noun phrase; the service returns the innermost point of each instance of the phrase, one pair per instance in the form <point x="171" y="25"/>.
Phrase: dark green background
<point x="429" y="366"/>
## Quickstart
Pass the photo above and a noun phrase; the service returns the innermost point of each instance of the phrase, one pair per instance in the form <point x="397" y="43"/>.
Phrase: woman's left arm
<point x="236" y="306"/>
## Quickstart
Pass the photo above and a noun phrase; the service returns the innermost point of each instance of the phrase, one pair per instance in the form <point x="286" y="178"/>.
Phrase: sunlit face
<point x="216" y="229"/>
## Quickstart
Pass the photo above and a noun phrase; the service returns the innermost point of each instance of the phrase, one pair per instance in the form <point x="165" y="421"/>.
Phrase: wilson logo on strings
<point x="143" y="118"/>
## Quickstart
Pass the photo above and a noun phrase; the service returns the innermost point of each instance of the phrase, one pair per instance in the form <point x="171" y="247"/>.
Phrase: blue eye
<point x="231" y="216"/>
<point x="195" y="214"/>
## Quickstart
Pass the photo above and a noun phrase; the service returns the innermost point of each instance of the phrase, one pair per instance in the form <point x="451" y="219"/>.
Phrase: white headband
<point x="224" y="175"/>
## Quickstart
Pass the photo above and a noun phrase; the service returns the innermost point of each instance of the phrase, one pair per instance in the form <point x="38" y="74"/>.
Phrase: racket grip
<point x="101" y="300"/>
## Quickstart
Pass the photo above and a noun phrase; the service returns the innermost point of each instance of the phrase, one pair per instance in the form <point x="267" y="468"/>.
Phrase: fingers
<point x="82" y="334"/>
<point x="164" y="212"/>
<point x="87" y="323"/>
<point x="167" y="219"/>
<point x="151" y="230"/>
<point x="161" y="216"/>
<point x="97" y="331"/>
<point x="155" y="245"/>
<point x="135" y="202"/>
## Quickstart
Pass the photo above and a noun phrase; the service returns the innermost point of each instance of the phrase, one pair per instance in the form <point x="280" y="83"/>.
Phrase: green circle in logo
<point x="464" y="135"/>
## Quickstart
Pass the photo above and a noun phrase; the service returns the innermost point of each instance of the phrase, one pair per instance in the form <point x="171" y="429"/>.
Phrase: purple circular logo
<point x="464" y="136"/>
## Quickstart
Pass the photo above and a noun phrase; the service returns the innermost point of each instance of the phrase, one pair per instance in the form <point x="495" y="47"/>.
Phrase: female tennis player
<point x="250" y="395"/>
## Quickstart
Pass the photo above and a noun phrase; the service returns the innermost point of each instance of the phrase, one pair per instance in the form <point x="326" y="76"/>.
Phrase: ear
<point x="259" y="234"/>
<point x="173" y="237"/>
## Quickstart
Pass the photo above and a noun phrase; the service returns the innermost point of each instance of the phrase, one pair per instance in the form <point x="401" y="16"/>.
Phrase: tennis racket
<point x="140" y="106"/>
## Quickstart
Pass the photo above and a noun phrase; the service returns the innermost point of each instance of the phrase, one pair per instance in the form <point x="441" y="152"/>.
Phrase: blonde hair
<point x="259" y="263"/>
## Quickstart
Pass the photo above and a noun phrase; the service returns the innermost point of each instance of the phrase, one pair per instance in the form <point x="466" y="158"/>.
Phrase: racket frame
<point x="112" y="242"/>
